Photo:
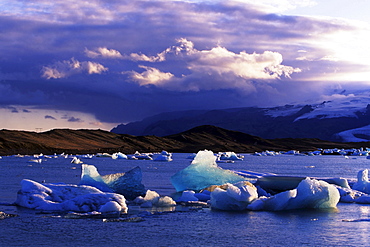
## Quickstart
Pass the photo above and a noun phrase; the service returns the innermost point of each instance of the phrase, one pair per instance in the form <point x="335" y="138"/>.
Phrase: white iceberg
<point x="362" y="183"/>
<point x="310" y="193"/>
<point x="203" y="172"/>
<point x="119" y="155"/>
<point x="67" y="197"/>
<point x="163" y="156"/>
<point x="76" y="160"/>
<point x="127" y="184"/>
<point x="152" y="198"/>
<point x="229" y="156"/>
<point x="235" y="198"/>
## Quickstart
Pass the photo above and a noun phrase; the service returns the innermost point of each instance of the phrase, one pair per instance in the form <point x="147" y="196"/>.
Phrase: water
<point x="185" y="227"/>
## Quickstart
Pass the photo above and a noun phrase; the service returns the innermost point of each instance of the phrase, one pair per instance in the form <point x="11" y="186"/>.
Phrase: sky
<point x="95" y="64"/>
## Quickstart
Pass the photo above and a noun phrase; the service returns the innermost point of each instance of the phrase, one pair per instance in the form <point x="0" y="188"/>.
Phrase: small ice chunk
<point x="110" y="206"/>
<point x="152" y="198"/>
<point x="187" y="196"/>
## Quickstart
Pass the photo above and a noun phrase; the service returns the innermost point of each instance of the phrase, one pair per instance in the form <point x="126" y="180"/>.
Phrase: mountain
<point x="190" y="141"/>
<point x="339" y="120"/>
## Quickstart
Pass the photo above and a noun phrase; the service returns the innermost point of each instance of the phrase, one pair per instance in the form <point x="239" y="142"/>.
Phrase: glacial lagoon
<point x="346" y="225"/>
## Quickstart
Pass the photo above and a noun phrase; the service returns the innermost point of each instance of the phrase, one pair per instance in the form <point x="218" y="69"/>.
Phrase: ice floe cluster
<point x="203" y="182"/>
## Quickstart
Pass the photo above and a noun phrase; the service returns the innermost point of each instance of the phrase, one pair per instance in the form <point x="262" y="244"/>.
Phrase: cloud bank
<point x="125" y="60"/>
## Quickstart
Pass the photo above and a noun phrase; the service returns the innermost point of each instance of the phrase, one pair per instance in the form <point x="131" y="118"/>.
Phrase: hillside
<point x="199" y="138"/>
<point x="340" y="120"/>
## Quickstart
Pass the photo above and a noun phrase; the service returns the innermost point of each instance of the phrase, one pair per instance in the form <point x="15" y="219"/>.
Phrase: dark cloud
<point x="50" y="117"/>
<point x="121" y="61"/>
<point x="73" y="119"/>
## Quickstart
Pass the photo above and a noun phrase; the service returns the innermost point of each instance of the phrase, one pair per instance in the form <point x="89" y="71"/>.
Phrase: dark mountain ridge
<point x="256" y="121"/>
<point x="190" y="141"/>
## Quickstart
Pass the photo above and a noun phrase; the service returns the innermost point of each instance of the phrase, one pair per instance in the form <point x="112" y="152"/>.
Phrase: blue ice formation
<point x="203" y="172"/>
<point x="67" y="197"/>
<point x="90" y="176"/>
<point x="127" y="184"/>
<point x="310" y="193"/>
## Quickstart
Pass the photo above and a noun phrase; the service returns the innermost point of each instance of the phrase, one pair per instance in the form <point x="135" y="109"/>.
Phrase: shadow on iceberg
<point x="67" y="197"/>
<point x="127" y="184"/>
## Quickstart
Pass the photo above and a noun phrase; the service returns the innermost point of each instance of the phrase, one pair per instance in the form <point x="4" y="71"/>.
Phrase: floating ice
<point x="310" y="193"/>
<point x="66" y="197"/>
<point x="90" y="176"/>
<point x="128" y="184"/>
<point x="235" y="198"/>
<point x="362" y="183"/>
<point x="152" y="198"/>
<point x="187" y="196"/>
<point x="163" y="156"/>
<point x="76" y="160"/>
<point x="119" y="155"/>
<point x="203" y="172"/>
<point x="110" y="207"/>
<point x="230" y="156"/>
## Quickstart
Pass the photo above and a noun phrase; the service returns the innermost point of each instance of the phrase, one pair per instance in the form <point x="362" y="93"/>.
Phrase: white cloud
<point x="151" y="76"/>
<point x="103" y="52"/>
<point x="281" y="5"/>
<point x="209" y="67"/>
<point x="67" y="68"/>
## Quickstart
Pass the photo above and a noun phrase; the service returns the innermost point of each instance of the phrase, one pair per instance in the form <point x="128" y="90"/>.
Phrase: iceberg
<point x="152" y="198"/>
<point x="229" y="156"/>
<point x="362" y="183"/>
<point x="235" y="198"/>
<point x="119" y="155"/>
<point x="203" y="172"/>
<point x="310" y="193"/>
<point x="163" y="156"/>
<point x="67" y="197"/>
<point x="90" y="176"/>
<point x="127" y="184"/>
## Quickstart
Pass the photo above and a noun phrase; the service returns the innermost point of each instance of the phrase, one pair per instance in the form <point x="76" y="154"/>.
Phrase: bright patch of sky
<point x="39" y="120"/>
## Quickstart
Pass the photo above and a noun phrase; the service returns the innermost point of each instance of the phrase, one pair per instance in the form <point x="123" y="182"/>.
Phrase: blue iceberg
<point x="203" y="172"/>
<point x="127" y="184"/>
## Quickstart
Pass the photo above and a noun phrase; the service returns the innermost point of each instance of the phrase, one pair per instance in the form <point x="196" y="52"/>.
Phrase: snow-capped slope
<point x="322" y="120"/>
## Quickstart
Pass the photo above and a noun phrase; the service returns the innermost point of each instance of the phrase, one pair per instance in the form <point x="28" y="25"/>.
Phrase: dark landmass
<point x="199" y="138"/>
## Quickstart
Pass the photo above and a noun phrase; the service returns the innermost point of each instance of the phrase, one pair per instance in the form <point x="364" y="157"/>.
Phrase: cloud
<point x="218" y="62"/>
<point x="103" y="52"/>
<point x="73" y="119"/>
<point x="50" y="117"/>
<point x="67" y="68"/>
<point x="151" y="76"/>
<point x="119" y="61"/>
